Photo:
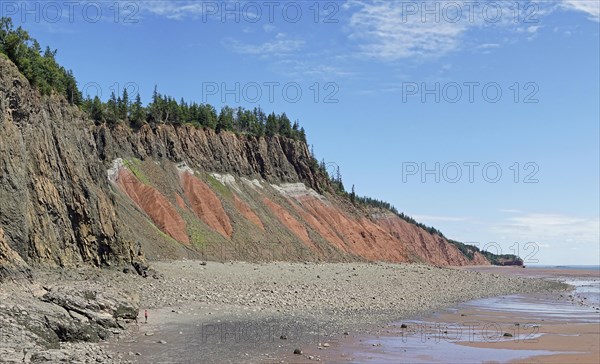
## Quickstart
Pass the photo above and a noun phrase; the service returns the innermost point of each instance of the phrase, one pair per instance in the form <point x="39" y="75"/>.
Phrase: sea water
<point x="567" y="267"/>
<point x="584" y="287"/>
<point x="413" y="349"/>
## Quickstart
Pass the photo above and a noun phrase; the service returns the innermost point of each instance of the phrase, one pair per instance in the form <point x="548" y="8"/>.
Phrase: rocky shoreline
<point x="62" y="315"/>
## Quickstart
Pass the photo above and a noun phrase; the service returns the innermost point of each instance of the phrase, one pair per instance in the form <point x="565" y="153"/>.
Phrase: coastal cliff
<point x="74" y="192"/>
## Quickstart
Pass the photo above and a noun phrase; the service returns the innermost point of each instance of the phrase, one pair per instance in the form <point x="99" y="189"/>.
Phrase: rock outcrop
<point x="39" y="324"/>
<point x="73" y="192"/>
<point x="55" y="204"/>
<point x="11" y="263"/>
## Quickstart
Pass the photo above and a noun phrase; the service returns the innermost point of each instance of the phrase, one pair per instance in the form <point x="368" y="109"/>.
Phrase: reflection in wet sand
<point x="546" y="328"/>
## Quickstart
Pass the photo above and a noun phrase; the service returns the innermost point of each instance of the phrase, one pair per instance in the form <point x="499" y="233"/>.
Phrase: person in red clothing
<point x="145" y="316"/>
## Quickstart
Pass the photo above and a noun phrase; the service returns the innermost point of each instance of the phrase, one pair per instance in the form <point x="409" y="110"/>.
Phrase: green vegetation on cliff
<point x="368" y="201"/>
<point x="40" y="68"/>
<point x="466" y="249"/>
<point x="496" y="259"/>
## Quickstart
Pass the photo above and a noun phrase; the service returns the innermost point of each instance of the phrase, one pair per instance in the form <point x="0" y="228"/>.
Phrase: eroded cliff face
<point x="274" y="160"/>
<point x="11" y="263"/>
<point x="55" y="204"/>
<point x="72" y="192"/>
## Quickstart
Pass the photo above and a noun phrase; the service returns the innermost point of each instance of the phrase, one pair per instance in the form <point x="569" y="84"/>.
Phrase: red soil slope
<point x="322" y="228"/>
<point x="289" y="221"/>
<point x="154" y="204"/>
<point x="434" y="249"/>
<point x="386" y="237"/>
<point x="247" y="212"/>
<point x="361" y="237"/>
<point x="180" y="201"/>
<point x="206" y="205"/>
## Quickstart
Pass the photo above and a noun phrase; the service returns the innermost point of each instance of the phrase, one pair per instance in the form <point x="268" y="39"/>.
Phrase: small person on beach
<point x="145" y="316"/>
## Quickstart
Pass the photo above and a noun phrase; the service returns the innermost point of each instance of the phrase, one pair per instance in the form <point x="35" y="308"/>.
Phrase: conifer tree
<point x="113" y="109"/>
<point x="72" y="92"/>
<point x="124" y="105"/>
<point x="272" y="126"/>
<point x="302" y="135"/>
<point x="138" y="117"/>
<point x="285" y="126"/>
<point x="155" y="108"/>
<point x="97" y="111"/>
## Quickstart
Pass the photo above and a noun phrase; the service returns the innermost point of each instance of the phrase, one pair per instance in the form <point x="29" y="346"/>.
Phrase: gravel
<point x="337" y="298"/>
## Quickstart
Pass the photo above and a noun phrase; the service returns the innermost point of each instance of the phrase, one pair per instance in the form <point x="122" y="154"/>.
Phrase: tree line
<point x="495" y="259"/>
<point x="166" y="110"/>
<point x="335" y="180"/>
<point x="368" y="201"/>
<point x="47" y="76"/>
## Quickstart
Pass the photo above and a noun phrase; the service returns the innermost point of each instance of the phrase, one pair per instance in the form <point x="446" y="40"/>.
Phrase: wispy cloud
<point x="511" y="211"/>
<point x="487" y="48"/>
<point x="268" y="28"/>
<point x="590" y="7"/>
<point x="311" y="68"/>
<point x="551" y="227"/>
<point x="532" y="29"/>
<point x="176" y="10"/>
<point x="489" y="45"/>
<point x="386" y="32"/>
<point x="280" y="45"/>
<point x="428" y="219"/>
<point x="394" y="30"/>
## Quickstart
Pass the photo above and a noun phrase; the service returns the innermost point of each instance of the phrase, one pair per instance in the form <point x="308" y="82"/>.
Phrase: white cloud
<point x="510" y="211"/>
<point x="280" y="45"/>
<point x="590" y="7"/>
<point x="385" y="32"/>
<point x="311" y="67"/>
<point x="268" y="28"/>
<point x="551" y="227"/>
<point x="429" y="219"/>
<point x="533" y="28"/>
<point x="393" y="30"/>
<point x="489" y="45"/>
<point x="553" y="235"/>
<point x="176" y="10"/>
<point x="224" y="10"/>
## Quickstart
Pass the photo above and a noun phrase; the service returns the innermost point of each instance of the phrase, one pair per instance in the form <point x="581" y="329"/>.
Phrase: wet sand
<point x="534" y="328"/>
<point x="554" y="273"/>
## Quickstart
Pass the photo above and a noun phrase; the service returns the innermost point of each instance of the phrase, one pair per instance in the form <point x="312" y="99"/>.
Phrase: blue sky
<point x="372" y="63"/>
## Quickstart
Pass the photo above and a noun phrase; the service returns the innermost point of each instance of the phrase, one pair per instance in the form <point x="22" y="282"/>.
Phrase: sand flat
<point x="541" y="328"/>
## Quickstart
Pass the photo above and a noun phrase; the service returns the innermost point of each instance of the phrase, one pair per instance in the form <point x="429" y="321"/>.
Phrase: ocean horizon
<point x="566" y="267"/>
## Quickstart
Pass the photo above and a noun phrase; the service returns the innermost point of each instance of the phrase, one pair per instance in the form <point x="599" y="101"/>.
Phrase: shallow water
<point x="590" y="289"/>
<point x="542" y="309"/>
<point x="438" y="342"/>
<point x="415" y="351"/>
<point x="567" y="267"/>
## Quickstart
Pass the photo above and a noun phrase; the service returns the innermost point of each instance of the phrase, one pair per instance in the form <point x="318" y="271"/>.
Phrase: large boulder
<point x="103" y="308"/>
